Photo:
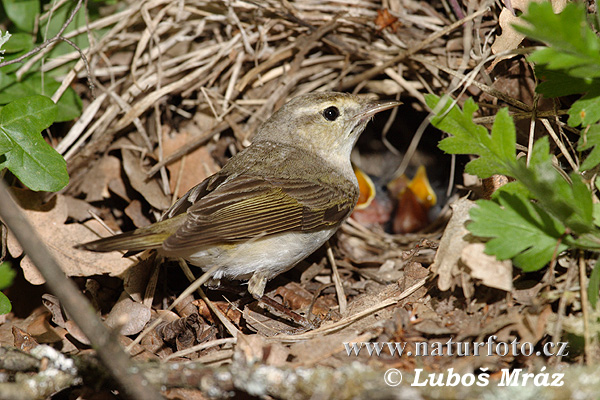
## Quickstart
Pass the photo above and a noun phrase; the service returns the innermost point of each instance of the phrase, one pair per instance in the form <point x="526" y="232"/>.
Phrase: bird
<point x="273" y="203"/>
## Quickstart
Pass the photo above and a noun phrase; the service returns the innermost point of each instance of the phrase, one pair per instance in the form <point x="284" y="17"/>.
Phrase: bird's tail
<point x="150" y="237"/>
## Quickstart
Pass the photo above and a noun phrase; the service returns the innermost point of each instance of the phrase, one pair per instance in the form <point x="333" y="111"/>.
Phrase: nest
<point x="235" y="62"/>
<point x="177" y="87"/>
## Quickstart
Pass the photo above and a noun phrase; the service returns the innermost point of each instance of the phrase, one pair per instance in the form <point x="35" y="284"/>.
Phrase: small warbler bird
<point x="272" y="204"/>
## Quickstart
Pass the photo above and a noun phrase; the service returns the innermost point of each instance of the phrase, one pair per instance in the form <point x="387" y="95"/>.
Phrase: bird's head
<point x="326" y="123"/>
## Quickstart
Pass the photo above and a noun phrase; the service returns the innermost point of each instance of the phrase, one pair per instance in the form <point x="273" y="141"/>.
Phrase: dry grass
<point x="222" y="67"/>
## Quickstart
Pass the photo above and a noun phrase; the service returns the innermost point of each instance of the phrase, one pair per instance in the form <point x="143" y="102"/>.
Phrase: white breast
<point x="270" y="255"/>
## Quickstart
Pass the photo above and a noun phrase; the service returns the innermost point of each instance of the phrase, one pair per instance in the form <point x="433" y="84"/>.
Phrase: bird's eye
<point x="331" y="113"/>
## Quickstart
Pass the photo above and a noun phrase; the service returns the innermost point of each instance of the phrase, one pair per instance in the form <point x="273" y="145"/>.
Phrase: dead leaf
<point x="183" y="332"/>
<point x="134" y="211"/>
<point x="413" y="273"/>
<point x="354" y="248"/>
<point x="95" y="184"/>
<point x="532" y="327"/>
<point x="76" y="332"/>
<point x="233" y="314"/>
<point x="197" y="166"/>
<point x="385" y="19"/>
<point x="117" y="186"/>
<point x="527" y="292"/>
<point x="23" y="340"/>
<point x="43" y="332"/>
<point x="510" y="39"/>
<point x="320" y="348"/>
<point x="128" y="315"/>
<point x="366" y="301"/>
<point x="79" y="210"/>
<point x="297" y="299"/>
<point x="182" y="393"/>
<point x="52" y="303"/>
<point x="492" y="272"/>
<point x="137" y="278"/>
<point x="258" y="320"/>
<point x="60" y="238"/>
<point x="445" y="263"/>
<point x="255" y="348"/>
<point x="150" y="189"/>
<point x="431" y="327"/>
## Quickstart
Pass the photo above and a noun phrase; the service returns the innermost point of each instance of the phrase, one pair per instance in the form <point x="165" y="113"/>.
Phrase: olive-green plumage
<point x="272" y="204"/>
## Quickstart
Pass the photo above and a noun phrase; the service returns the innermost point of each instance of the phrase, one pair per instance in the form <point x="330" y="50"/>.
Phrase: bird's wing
<point x="248" y="207"/>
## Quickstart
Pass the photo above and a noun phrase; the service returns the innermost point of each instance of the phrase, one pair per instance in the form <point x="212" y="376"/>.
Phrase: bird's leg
<point x="213" y="283"/>
<point x="256" y="287"/>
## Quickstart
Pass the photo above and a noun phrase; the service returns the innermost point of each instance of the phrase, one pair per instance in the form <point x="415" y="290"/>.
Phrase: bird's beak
<point x="376" y="106"/>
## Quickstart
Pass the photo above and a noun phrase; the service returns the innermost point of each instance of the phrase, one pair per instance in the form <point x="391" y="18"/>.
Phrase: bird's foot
<point x="257" y="284"/>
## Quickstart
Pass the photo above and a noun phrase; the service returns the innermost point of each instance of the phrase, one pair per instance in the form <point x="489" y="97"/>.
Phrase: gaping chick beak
<point x="376" y="106"/>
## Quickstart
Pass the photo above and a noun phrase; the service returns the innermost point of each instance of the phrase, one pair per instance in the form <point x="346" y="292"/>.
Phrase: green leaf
<point x="7" y="275"/>
<point x="588" y="241"/>
<point x="514" y="187"/>
<point x="6" y="80"/>
<point x="597" y="211"/>
<point x="573" y="45"/>
<point x="590" y="139"/>
<point x="519" y="229"/>
<point x="22" y="13"/>
<point x="467" y="137"/>
<point x="594" y="284"/>
<point x="504" y="137"/>
<point x="586" y="110"/>
<point x="12" y="67"/>
<point x="18" y="42"/>
<point x="5" y="306"/>
<point x="582" y="196"/>
<point x="561" y="201"/>
<point x="570" y="203"/>
<point x="69" y="105"/>
<point x="559" y="83"/>
<point x="495" y="151"/>
<point x="26" y="154"/>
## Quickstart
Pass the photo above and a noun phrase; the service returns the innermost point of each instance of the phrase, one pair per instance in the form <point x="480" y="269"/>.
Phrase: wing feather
<point x="248" y="206"/>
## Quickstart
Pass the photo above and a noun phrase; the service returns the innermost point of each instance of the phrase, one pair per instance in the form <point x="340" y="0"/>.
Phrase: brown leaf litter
<point x="183" y="86"/>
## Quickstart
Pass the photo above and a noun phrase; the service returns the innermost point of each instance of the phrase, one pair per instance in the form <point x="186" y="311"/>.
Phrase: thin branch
<point x="91" y="85"/>
<point x="47" y="42"/>
<point x="106" y="345"/>
<point x="339" y="288"/>
<point x="585" y="311"/>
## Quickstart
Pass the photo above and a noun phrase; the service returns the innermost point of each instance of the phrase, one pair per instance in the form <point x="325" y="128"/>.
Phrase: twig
<point x="344" y="322"/>
<point x="339" y="288"/>
<point x="47" y="42"/>
<point x="560" y="144"/>
<point x="487" y="89"/>
<point x="585" y="309"/>
<point x="67" y="81"/>
<point x="201" y="346"/>
<point x="189" y="290"/>
<point x="106" y="345"/>
<point x="188" y="273"/>
<point x="355" y="80"/>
